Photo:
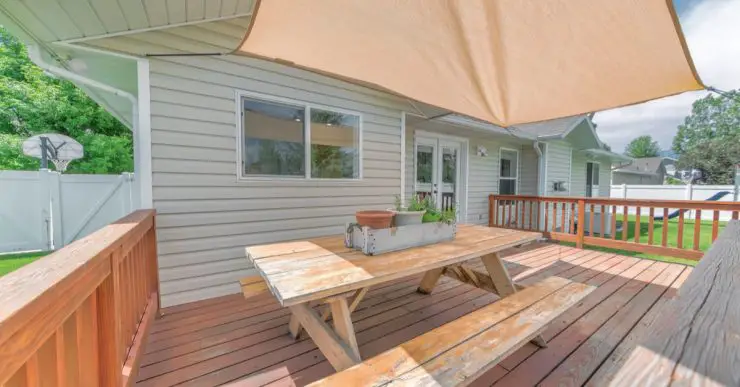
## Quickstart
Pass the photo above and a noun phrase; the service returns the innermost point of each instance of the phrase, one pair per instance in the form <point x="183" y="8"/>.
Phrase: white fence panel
<point x="24" y="222"/>
<point x="89" y="202"/>
<point x="44" y="210"/>
<point x="676" y="192"/>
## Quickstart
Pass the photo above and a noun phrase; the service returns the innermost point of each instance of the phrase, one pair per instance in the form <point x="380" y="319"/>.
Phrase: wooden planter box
<point x="378" y="241"/>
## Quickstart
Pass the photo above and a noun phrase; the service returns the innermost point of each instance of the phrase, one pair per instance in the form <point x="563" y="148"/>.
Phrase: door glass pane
<point x="449" y="178"/>
<point x="424" y="169"/>
<point x="274" y="141"/>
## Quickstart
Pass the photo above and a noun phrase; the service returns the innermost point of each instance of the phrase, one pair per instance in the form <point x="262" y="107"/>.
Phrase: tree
<point x="32" y="102"/>
<point x="642" y="146"/>
<point x="709" y="138"/>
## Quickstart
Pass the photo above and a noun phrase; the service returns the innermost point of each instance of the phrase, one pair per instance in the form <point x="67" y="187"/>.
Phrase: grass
<point x="705" y="237"/>
<point x="11" y="262"/>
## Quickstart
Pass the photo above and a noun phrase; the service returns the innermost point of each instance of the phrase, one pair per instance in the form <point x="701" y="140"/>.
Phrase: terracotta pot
<point x="375" y="218"/>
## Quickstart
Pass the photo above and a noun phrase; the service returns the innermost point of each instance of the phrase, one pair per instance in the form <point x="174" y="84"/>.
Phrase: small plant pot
<point x="431" y="217"/>
<point x="406" y="218"/>
<point x="376" y="219"/>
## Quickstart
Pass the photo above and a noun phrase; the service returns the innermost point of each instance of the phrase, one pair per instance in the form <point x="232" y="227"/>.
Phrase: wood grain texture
<point x="231" y="340"/>
<point x="340" y="355"/>
<point x="430" y="280"/>
<point x="651" y="225"/>
<point x="694" y="340"/>
<point x="664" y="241"/>
<point x="440" y="347"/>
<point x="72" y="311"/>
<point x="320" y="275"/>
<point x="343" y="323"/>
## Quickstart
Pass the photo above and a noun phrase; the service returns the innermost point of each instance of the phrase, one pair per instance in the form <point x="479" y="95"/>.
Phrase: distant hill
<point x="668" y="153"/>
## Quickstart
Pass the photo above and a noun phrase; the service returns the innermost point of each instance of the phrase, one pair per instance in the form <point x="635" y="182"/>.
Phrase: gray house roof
<point x="557" y="128"/>
<point x="643" y="166"/>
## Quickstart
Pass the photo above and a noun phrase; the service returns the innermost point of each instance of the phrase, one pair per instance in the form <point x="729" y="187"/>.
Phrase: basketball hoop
<point x="60" y="165"/>
<point x="54" y="147"/>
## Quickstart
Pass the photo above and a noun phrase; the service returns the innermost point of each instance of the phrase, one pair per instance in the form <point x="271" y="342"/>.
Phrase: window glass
<point x="507" y="187"/>
<point x="596" y="174"/>
<point x="335" y="145"/>
<point x="508" y="175"/>
<point x="274" y="140"/>
<point x="508" y="163"/>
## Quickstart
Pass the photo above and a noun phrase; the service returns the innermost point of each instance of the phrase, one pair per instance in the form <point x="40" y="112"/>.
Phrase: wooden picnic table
<point x="322" y="270"/>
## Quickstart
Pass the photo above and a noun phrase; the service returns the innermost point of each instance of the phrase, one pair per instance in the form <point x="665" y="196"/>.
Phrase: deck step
<point x="464" y="349"/>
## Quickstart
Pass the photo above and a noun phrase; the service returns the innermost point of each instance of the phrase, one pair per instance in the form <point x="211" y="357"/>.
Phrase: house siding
<point x="578" y="174"/>
<point x="483" y="171"/>
<point x="559" y="162"/>
<point x="206" y="216"/>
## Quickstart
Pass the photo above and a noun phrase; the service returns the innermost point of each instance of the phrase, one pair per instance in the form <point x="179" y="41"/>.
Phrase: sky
<point x="712" y="30"/>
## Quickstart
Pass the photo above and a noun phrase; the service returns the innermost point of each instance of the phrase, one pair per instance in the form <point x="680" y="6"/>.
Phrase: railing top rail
<point x="680" y="204"/>
<point x="42" y="286"/>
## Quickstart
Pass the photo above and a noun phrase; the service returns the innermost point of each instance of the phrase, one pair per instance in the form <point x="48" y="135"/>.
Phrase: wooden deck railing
<point x="616" y="223"/>
<point x="78" y="316"/>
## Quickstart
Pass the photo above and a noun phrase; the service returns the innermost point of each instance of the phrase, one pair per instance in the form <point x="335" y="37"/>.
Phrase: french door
<point x="437" y="171"/>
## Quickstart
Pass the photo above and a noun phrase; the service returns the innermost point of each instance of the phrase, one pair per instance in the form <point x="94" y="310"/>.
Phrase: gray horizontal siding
<point x="558" y="167"/>
<point x="206" y="216"/>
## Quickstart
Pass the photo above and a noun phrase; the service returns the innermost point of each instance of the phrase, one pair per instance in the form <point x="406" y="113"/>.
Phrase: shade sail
<point x="503" y="61"/>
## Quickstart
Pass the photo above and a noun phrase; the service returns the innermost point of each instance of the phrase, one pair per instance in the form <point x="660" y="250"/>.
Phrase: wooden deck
<point x="227" y="340"/>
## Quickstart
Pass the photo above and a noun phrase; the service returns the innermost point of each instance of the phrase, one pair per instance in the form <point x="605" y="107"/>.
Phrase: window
<point x="299" y="141"/>
<point x="335" y="144"/>
<point x="592" y="179"/>
<point x="509" y="173"/>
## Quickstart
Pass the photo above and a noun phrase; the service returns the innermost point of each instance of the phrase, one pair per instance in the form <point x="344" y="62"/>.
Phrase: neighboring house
<point x="234" y="151"/>
<point x="644" y="171"/>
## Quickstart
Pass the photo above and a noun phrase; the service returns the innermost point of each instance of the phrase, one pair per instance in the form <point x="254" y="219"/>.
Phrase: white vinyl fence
<point x="45" y="210"/>
<point x="676" y="192"/>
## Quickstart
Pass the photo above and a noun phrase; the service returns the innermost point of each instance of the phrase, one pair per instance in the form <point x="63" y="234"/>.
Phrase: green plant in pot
<point x="431" y="214"/>
<point x="411" y="213"/>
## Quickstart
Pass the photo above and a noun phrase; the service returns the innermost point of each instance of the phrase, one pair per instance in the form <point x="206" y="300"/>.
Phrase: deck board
<point x="231" y="340"/>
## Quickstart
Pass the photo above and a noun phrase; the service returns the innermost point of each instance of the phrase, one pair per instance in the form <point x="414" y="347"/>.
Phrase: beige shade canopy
<point x="503" y="61"/>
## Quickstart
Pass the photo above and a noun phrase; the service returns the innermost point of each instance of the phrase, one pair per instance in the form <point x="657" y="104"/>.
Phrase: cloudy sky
<point x="712" y="29"/>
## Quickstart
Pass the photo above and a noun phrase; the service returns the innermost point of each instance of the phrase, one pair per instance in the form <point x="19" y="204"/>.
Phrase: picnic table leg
<point x="343" y="323"/>
<point x="295" y="332"/>
<point x="503" y="283"/>
<point x="337" y="351"/>
<point x="430" y="280"/>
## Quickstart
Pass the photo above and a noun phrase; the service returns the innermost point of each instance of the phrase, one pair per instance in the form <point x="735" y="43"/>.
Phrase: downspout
<point x="35" y="55"/>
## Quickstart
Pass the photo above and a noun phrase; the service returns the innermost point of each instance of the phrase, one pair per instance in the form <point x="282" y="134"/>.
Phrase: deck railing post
<point x="109" y="328"/>
<point x="491" y="210"/>
<point x="581" y="222"/>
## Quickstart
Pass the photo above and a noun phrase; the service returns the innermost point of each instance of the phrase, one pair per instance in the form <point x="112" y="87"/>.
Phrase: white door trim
<point x="464" y="163"/>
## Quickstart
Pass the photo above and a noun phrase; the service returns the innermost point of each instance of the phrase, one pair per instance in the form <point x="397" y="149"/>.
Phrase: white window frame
<point x="518" y="169"/>
<point x="307" y="106"/>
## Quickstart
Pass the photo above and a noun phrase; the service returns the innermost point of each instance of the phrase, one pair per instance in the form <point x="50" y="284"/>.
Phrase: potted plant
<point x="431" y="213"/>
<point x="411" y="214"/>
<point x="376" y="219"/>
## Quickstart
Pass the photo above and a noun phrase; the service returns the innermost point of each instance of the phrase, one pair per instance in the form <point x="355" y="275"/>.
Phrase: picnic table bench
<point x="303" y="274"/>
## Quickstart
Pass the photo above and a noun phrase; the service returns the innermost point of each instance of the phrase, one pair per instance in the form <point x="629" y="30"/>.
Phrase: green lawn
<point x="10" y="262"/>
<point x="705" y="237"/>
